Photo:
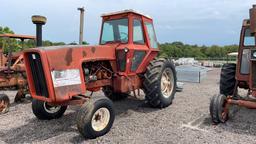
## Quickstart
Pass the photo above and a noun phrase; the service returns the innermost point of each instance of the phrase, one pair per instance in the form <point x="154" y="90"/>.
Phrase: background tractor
<point x="239" y="75"/>
<point x="123" y="62"/>
<point x="12" y="69"/>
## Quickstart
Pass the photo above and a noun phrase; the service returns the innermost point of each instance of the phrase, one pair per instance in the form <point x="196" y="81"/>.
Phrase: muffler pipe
<point x="253" y="19"/>
<point x="81" y="29"/>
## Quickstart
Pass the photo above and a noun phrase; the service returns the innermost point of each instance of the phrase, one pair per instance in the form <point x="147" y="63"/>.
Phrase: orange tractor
<point x="123" y="62"/>
<point x="12" y="70"/>
<point x="240" y="75"/>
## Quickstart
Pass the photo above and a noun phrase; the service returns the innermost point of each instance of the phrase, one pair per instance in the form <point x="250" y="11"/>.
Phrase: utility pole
<point x="81" y="31"/>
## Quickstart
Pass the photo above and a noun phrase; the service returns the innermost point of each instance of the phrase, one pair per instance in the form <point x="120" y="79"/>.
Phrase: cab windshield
<point x="115" y="31"/>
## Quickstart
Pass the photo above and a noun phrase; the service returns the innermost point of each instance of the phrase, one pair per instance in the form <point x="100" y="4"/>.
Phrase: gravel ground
<point x="186" y="121"/>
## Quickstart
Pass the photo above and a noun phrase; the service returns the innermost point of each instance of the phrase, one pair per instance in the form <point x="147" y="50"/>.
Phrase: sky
<point x="201" y="22"/>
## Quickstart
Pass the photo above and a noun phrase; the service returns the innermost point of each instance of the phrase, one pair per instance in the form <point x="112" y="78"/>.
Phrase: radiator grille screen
<point x="38" y="74"/>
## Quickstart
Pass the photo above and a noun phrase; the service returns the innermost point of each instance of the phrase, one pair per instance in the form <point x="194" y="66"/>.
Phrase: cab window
<point x="138" y="37"/>
<point x="115" y="31"/>
<point x="151" y="35"/>
<point x="249" y="39"/>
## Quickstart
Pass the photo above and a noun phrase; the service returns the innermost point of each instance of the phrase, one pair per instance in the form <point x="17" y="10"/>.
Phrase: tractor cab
<point x="134" y="35"/>
<point x="246" y="64"/>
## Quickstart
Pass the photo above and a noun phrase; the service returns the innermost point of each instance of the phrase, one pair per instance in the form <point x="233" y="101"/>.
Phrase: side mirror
<point x="253" y="19"/>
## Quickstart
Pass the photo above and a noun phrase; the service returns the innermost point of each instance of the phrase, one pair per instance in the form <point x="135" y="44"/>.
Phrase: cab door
<point x="247" y="42"/>
<point x="139" y="46"/>
<point x="144" y="50"/>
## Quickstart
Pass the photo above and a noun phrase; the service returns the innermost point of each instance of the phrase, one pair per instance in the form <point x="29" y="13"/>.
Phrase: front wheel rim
<point x="51" y="109"/>
<point x="167" y="82"/>
<point x="224" y="111"/>
<point x="100" y="119"/>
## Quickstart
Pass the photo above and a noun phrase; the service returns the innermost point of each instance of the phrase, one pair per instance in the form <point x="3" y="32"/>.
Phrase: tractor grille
<point x="38" y="74"/>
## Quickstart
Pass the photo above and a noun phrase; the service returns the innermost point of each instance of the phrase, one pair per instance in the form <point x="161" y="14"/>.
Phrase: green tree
<point x="178" y="49"/>
<point x="7" y="43"/>
<point x="85" y="43"/>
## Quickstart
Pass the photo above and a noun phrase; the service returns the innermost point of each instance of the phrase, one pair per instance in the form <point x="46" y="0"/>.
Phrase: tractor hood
<point x="72" y="56"/>
<point x="56" y="72"/>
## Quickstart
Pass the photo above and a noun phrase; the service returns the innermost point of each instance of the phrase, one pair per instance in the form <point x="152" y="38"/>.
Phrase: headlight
<point x="254" y="54"/>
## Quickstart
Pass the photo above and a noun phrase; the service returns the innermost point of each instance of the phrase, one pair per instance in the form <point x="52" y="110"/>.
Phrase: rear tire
<point x="108" y="92"/>
<point x="95" y="118"/>
<point x="227" y="79"/>
<point x="218" y="115"/>
<point x="4" y="103"/>
<point x="160" y="83"/>
<point x="43" y="111"/>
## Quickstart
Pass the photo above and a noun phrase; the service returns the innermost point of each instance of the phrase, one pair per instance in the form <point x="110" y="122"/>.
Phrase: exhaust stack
<point x="253" y="19"/>
<point x="39" y="21"/>
<point x="81" y="30"/>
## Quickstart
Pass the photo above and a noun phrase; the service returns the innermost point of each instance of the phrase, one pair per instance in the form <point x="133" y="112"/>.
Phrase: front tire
<point x="43" y="111"/>
<point x="96" y="118"/>
<point x="160" y="83"/>
<point x="218" y="110"/>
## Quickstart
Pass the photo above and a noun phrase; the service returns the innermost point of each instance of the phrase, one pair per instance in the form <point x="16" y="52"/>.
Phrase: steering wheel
<point x="125" y="36"/>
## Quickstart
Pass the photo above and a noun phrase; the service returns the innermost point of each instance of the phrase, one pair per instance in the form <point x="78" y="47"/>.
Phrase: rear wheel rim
<point x="3" y="106"/>
<point x="51" y="109"/>
<point x="100" y="119"/>
<point x="167" y="82"/>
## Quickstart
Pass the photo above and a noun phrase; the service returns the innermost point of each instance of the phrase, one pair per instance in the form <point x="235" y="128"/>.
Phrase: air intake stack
<point x="253" y="19"/>
<point x="39" y="21"/>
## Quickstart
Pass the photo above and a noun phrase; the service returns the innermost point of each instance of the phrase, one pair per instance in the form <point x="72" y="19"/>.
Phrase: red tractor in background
<point x="124" y="61"/>
<point x="12" y="70"/>
<point x="240" y="75"/>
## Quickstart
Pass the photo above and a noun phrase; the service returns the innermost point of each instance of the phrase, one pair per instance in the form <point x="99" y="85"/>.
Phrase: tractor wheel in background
<point x="227" y="79"/>
<point x="160" y="83"/>
<point x="19" y="96"/>
<point x="218" y="112"/>
<point x="108" y="92"/>
<point x="95" y="118"/>
<point x="43" y="111"/>
<point x="4" y="103"/>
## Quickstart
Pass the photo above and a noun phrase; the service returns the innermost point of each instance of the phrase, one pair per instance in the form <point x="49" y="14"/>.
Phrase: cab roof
<point x="125" y="11"/>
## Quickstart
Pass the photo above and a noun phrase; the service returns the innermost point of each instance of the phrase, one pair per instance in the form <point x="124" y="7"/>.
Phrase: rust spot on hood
<point x="93" y="49"/>
<point x="68" y="57"/>
<point x="84" y="54"/>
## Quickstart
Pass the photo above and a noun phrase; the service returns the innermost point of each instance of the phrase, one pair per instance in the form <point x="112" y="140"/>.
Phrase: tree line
<point x="174" y="50"/>
<point x="178" y="49"/>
